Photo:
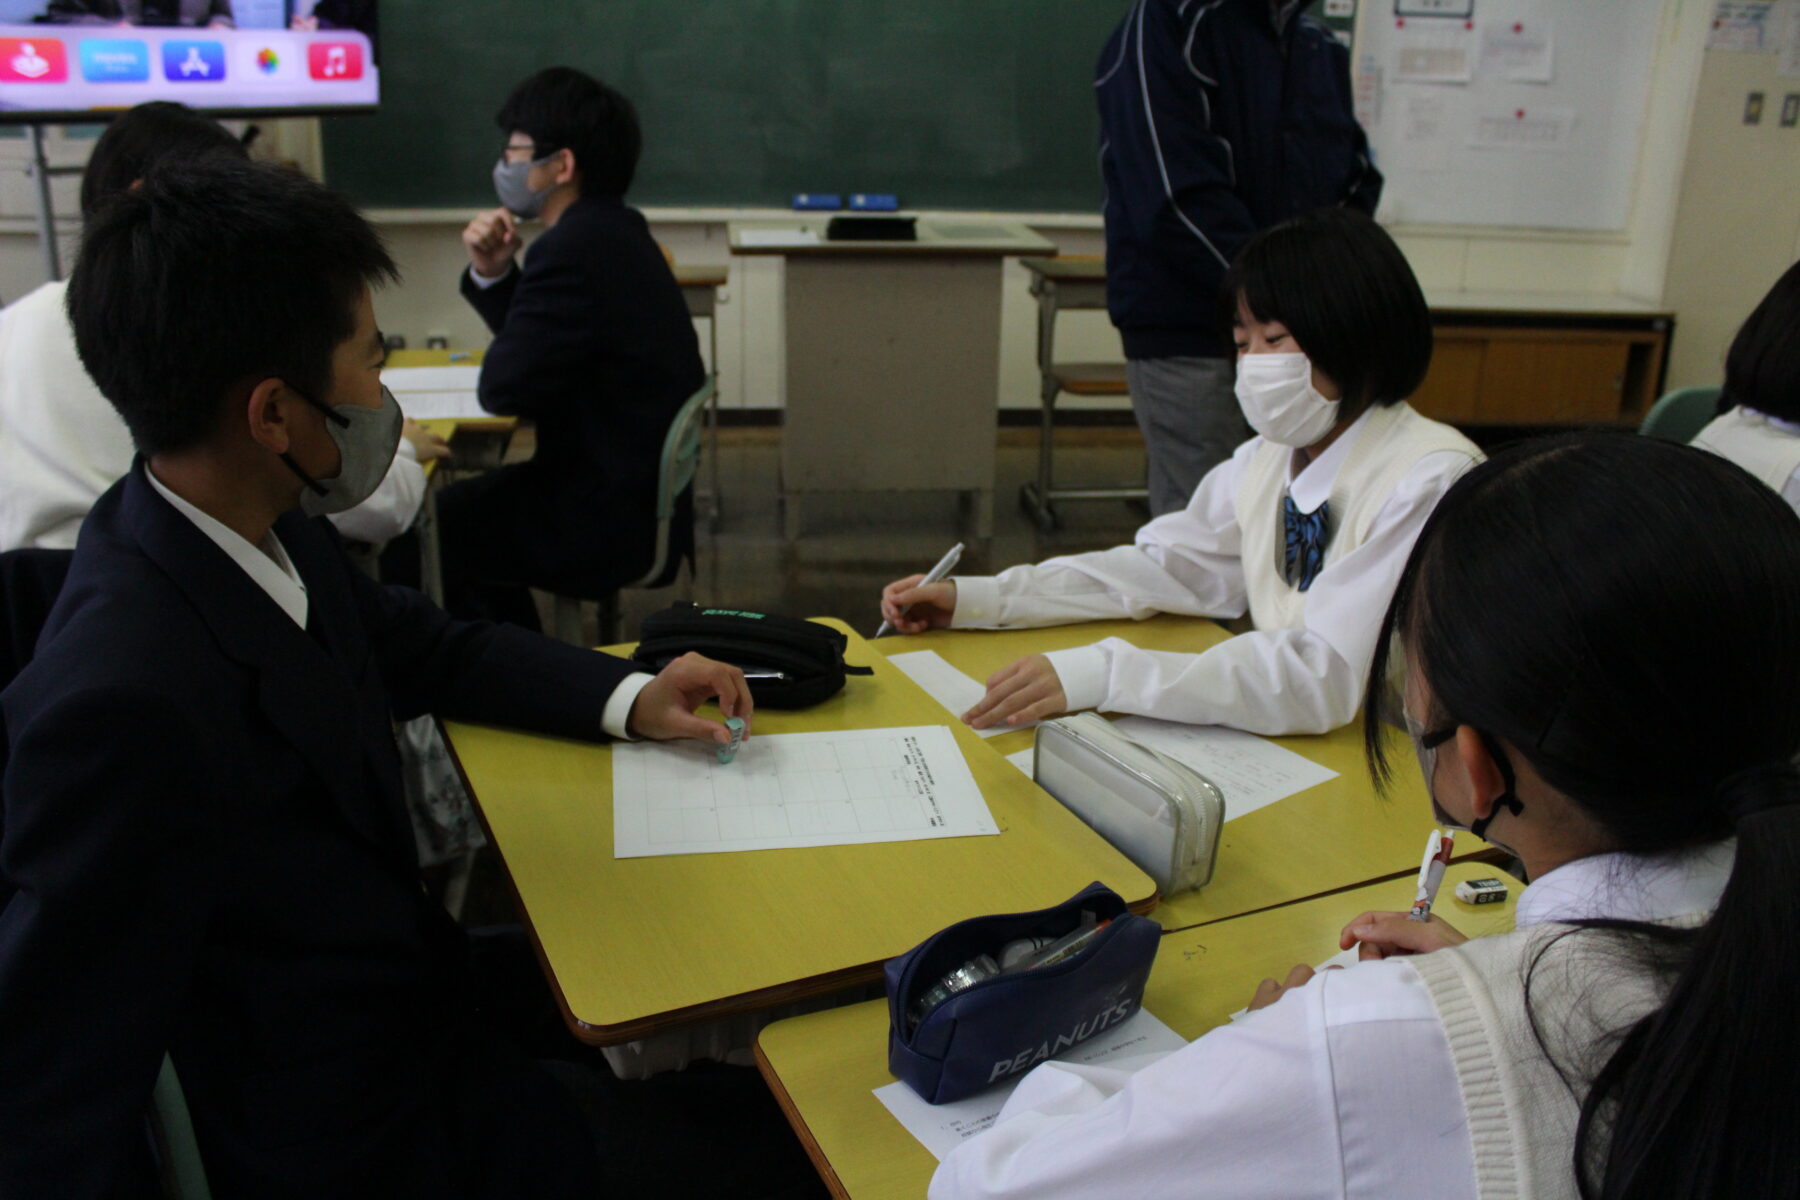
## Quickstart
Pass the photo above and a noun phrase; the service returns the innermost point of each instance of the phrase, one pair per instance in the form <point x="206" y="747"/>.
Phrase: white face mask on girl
<point x="1279" y="400"/>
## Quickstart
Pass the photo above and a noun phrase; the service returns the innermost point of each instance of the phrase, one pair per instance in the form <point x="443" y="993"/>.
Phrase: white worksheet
<point x="427" y="392"/>
<point x="1250" y="770"/>
<point x="794" y="789"/>
<point x="1025" y="760"/>
<point x="940" y="1128"/>
<point x="948" y="686"/>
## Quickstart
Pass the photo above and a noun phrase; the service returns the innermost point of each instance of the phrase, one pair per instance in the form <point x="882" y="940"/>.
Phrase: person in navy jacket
<point x="592" y="341"/>
<point x="205" y="849"/>
<point x="1217" y="118"/>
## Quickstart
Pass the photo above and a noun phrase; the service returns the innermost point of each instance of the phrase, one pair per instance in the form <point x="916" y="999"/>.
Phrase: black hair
<point x="1346" y="294"/>
<point x="214" y="275"/>
<point x="140" y="137"/>
<point x="1762" y="369"/>
<point x="564" y="109"/>
<point x="1624" y="613"/>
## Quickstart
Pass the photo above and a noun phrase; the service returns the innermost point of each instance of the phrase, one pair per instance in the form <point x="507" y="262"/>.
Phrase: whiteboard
<point x="1472" y="126"/>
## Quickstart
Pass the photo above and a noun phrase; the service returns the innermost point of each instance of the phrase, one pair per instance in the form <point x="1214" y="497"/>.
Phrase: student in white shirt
<point x="1759" y="427"/>
<point x="1606" y="716"/>
<point x="1305" y="527"/>
<point x="61" y="443"/>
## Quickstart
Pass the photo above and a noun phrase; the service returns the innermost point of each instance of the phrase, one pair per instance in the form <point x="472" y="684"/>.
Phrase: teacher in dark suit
<point x="592" y="341"/>
<point x="205" y="851"/>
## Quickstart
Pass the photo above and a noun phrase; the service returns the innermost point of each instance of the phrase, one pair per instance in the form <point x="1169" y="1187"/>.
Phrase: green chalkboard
<point x="984" y="104"/>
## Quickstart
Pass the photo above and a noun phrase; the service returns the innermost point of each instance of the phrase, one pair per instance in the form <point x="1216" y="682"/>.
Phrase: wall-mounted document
<point x="794" y="789"/>
<point x="1518" y="51"/>
<point x="1524" y="128"/>
<point x="1434" y="52"/>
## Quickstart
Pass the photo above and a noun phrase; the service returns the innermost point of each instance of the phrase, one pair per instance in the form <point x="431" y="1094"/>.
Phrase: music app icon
<point x="334" y="60"/>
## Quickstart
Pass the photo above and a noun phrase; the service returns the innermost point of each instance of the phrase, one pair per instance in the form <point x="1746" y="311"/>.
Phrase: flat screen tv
<point x="78" y="60"/>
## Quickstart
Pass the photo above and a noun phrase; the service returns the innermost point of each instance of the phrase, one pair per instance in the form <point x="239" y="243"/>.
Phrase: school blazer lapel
<point x="303" y="686"/>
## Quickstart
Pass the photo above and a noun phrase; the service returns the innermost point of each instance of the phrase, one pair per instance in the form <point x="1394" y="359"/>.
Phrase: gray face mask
<point x="515" y="194"/>
<point x="366" y="440"/>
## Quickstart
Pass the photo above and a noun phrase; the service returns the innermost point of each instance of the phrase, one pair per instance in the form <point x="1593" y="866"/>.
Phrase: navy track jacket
<point x="1217" y="118"/>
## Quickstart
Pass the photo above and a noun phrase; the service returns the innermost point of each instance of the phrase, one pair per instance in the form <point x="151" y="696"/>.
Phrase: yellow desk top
<point x="701" y="276"/>
<point x="634" y="946"/>
<point x="1336" y="835"/>
<point x="435" y="358"/>
<point x="449" y="428"/>
<point x="824" y="1066"/>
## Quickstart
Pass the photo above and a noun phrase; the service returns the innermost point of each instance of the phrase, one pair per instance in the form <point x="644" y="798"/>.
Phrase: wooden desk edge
<point x="797" y="1122"/>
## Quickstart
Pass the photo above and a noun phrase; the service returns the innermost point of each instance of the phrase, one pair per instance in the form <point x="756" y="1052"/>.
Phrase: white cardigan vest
<point x="1522" y="1115"/>
<point x="1390" y="442"/>
<point x="1748" y="439"/>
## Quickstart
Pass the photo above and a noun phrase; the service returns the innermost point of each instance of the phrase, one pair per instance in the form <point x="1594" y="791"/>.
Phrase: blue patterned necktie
<point x="1303" y="551"/>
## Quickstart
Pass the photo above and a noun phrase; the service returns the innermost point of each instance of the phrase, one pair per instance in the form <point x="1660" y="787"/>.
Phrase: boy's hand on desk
<point x="1029" y="690"/>
<point x="492" y="239"/>
<point x="1383" y="933"/>
<point x="426" y="444"/>
<point x="931" y="604"/>
<point x="664" y="710"/>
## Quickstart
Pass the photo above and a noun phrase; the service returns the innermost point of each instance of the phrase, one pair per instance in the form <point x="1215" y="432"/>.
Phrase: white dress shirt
<point x="1271" y="681"/>
<point x="1344" y="1088"/>
<point x="62" y="444"/>
<point x="269" y="568"/>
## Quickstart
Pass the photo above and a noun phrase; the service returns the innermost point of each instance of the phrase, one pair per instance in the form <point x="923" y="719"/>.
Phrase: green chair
<point x="183" y="1176"/>
<point x="675" y="474"/>
<point x="1681" y="414"/>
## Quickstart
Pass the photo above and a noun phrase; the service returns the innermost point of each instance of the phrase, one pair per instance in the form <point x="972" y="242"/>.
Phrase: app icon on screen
<point x="33" y="60"/>
<point x="193" y="62"/>
<point x="334" y="60"/>
<point x="267" y="61"/>
<point x="114" y="60"/>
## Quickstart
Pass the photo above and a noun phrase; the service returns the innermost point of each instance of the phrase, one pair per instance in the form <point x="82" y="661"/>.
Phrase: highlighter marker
<point x="736" y="726"/>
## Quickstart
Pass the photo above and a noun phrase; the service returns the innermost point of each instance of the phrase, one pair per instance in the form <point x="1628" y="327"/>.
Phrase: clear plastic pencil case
<point x="991" y="997"/>
<point x="1161" y="814"/>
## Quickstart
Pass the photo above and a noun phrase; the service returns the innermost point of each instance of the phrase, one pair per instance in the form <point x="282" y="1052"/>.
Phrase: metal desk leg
<point x="431" y="566"/>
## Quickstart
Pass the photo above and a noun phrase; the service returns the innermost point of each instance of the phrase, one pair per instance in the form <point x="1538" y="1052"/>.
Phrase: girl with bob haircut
<point x="1759" y="423"/>
<point x="1606" y="718"/>
<point x="1305" y="527"/>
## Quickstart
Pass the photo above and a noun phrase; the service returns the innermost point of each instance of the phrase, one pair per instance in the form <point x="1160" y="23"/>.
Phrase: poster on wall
<point x="1741" y="25"/>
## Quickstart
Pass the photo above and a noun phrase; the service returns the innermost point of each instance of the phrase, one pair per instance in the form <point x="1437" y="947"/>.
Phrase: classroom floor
<point x="851" y="545"/>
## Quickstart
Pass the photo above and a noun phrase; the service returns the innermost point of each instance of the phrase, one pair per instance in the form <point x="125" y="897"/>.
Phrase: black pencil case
<point x="788" y="662"/>
<point x="1008" y="1023"/>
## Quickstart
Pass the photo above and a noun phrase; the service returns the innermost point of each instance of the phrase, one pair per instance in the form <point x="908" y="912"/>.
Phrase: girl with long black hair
<point x="1596" y="645"/>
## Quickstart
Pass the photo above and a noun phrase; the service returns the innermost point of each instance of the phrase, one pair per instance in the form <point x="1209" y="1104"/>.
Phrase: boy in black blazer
<point x="205" y="850"/>
<point x="592" y="341"/>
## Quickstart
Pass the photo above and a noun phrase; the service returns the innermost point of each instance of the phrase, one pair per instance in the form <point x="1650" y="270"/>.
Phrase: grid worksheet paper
<point x="794" y="789"/>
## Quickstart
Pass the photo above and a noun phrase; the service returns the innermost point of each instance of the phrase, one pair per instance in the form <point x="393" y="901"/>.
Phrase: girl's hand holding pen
<point x="1383" y="933"/>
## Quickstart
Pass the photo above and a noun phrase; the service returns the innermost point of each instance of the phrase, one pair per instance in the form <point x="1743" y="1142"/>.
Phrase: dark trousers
<point x="710" y="1130"/>
<point x="518" y="527"/>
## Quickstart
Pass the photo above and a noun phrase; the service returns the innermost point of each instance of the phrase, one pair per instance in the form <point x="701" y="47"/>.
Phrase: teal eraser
<point x="736" y="726"/>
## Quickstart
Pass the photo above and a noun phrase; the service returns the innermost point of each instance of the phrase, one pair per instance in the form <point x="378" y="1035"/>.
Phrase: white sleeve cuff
<point x="617" y="714"/>
<point x="485" y="282"/>
<point x="407" y="450"/>
<point x="977" y="602"/>
<point x="1082" y="672"/>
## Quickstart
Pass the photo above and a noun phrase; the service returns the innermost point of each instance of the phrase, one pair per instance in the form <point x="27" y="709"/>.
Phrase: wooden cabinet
<point x="1501" y="367"/>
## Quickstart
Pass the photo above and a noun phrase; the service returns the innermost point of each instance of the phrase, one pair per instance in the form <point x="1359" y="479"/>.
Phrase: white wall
<point x="1738" y="222"/>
